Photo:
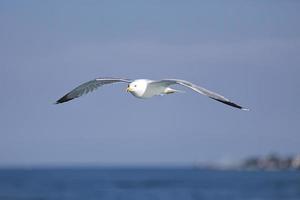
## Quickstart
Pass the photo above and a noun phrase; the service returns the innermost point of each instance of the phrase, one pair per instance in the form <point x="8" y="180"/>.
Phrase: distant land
<point x="271" y="162"/>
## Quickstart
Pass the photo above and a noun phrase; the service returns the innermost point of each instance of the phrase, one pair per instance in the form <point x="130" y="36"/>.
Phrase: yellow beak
<point x="129" y="89"/>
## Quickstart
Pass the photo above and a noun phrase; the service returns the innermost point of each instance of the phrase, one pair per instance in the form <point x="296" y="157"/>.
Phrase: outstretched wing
<point x="89" y="87"/>
<point x="201" y="90"/>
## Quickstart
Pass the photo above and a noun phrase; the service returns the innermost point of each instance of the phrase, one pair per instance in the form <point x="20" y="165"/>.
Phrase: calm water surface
<point x="143" y="184"/>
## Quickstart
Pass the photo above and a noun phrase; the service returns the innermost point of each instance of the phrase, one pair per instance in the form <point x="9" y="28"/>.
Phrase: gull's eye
<point x="134" y="85"/>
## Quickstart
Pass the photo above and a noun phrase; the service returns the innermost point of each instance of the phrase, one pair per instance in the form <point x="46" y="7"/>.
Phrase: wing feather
<point x="201" y="90"/>
<point x="89" y="86"/>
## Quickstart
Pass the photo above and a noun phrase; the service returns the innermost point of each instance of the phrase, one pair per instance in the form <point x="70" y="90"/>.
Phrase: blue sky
<point x="247" y="51"/>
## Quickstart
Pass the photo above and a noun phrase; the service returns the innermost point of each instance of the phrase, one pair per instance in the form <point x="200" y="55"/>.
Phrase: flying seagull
<point x="145" y="88"/>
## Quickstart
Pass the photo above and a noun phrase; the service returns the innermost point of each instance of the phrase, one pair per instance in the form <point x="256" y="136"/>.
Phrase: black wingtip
<point x="232" y="104"/>
<point x="63" y="99"/>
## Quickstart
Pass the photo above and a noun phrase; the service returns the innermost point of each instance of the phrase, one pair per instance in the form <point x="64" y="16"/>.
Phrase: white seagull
<point x="145" y="88"/>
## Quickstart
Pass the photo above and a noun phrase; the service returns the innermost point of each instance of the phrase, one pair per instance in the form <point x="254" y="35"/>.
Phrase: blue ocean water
<point x="147" y="184"/>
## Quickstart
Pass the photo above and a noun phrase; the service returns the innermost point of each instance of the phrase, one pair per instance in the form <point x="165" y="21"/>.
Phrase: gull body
<point x="144" y="89"/>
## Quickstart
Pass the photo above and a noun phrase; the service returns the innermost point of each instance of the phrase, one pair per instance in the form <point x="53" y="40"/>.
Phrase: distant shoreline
<point x="272" y="162"/>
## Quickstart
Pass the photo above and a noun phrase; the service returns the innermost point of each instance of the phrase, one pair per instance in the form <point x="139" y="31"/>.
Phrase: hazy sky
<point x="247" y="51"/>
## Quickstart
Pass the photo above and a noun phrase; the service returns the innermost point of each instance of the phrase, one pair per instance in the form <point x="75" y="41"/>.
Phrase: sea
<point x="147" y="184"/>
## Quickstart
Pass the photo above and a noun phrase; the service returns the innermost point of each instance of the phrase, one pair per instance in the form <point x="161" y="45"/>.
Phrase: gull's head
<point x="137" y="87"/>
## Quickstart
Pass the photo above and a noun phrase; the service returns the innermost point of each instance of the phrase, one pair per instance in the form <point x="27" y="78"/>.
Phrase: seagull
<point x="144" y="89"/>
